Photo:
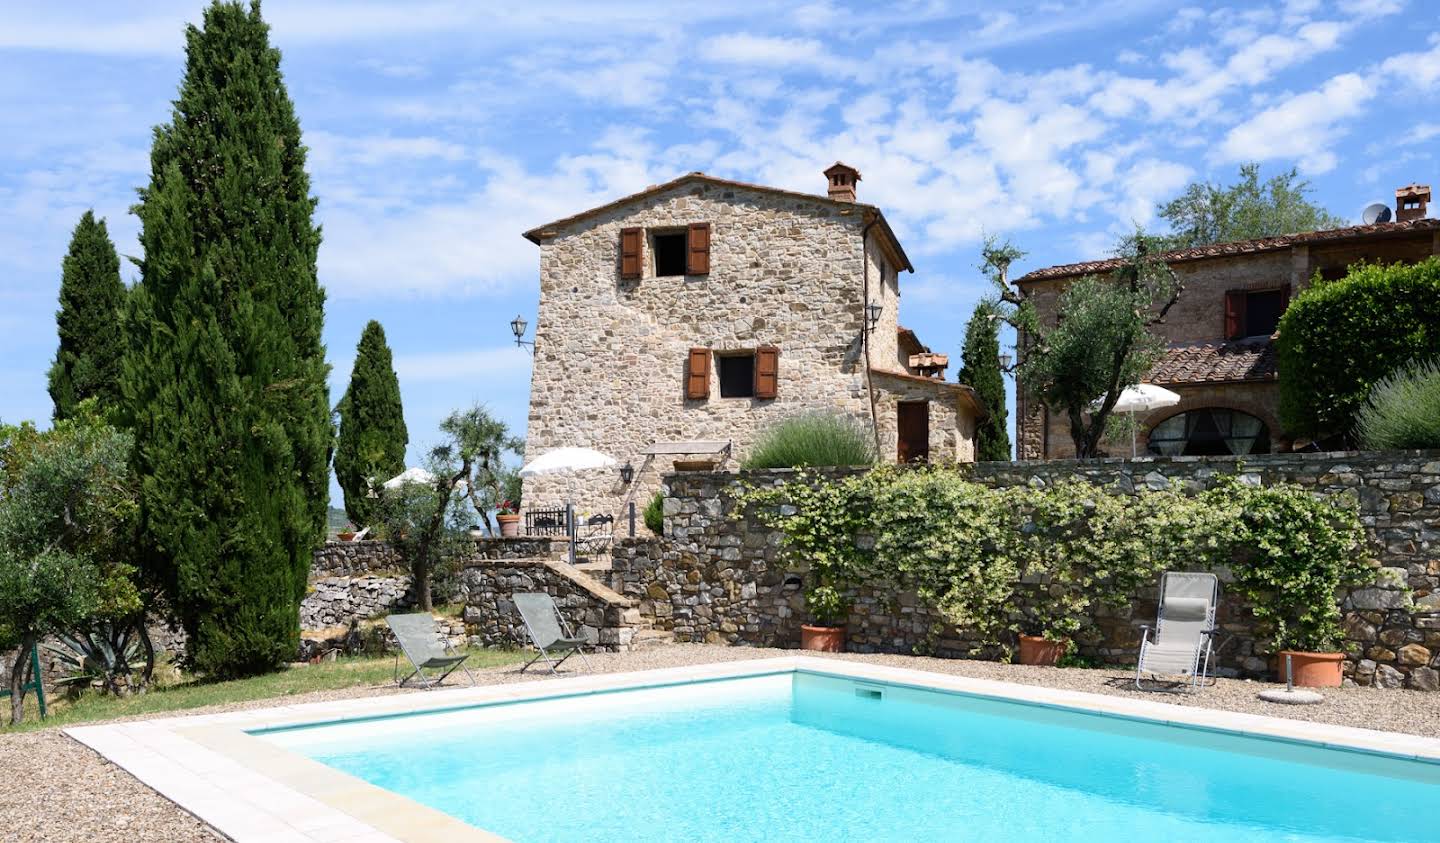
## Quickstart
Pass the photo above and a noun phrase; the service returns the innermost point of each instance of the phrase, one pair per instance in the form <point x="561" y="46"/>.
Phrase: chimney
<point x="1410" y="202"/>
<point x="842" y="178"/>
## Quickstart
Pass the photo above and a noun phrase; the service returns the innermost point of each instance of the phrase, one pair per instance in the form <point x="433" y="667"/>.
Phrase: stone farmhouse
<point x="677" y="324"/>
<point x="1221" y="333"/>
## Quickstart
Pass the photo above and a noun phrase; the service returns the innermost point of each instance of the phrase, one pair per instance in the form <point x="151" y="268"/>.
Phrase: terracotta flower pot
<point x="509" y="525"/>
<point x="826" y="639"/>
<point x="345" y="536"/>
<point x="1042" y="651"/>
<point x="1312" y="670"/>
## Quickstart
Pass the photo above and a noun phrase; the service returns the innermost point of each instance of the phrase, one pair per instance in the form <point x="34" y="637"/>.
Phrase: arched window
<point x="1209" y="432"/>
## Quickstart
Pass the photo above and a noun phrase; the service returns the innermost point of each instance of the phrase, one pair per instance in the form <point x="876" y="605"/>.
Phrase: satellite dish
<point x="1378" y="212"/>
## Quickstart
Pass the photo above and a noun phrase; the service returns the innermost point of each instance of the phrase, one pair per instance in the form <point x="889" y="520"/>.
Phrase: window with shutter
<point x="1234" y="314"/>
<point x="697" y="260"/>
<point x="697" y="374"/>
<point x="767" y="371"/>
<point x="630" y="252"/>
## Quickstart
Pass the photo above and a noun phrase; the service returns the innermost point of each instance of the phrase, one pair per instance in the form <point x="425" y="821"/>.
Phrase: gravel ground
<point x="55" y="789"/>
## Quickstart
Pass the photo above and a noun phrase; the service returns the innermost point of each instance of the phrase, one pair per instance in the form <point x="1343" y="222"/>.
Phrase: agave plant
<point x="116" y="658"/>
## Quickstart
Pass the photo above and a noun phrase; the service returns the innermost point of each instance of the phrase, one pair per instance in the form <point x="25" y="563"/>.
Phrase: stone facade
<point x="1199" y="319"/>
<point x="786" y="270"/>
<point x="720" y="576"/>
<point x="598" y="614"/>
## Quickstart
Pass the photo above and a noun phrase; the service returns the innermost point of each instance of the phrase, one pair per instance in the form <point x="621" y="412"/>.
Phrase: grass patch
<point x="813" y="439"/>
<point x="191" y="692"/>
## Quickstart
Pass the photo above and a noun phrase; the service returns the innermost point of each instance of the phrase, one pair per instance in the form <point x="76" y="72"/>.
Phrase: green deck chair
<point x="421" y="645"/>
<point x="548" y="630"/>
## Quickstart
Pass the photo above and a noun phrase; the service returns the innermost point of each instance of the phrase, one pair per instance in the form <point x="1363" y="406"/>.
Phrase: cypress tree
<point x="225" y="376"/>
<point x="92" y="339"/>
<point x="980" y="369"/>
<point x="372" y="439"/>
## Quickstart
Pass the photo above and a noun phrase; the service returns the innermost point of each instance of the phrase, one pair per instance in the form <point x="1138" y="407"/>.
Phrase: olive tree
<point x="425" y="520"/>
<point x="66" y="502"/>
<point x="1101" y="339"/>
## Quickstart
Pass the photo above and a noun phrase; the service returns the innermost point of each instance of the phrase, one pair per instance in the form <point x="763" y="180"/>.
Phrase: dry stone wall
<point x="720" y="576"/>
<point x="598" y="614"/>
<point x="352" y="581"/>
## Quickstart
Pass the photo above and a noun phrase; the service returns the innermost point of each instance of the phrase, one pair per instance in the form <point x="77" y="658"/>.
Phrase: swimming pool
<point x="806" y="754"/>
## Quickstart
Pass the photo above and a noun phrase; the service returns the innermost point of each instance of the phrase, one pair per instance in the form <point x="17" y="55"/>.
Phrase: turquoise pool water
<point x="808" y="757"/>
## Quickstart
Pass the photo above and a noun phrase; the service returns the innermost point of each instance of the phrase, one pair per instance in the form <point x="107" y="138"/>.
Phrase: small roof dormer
<point x="841" y="179"/>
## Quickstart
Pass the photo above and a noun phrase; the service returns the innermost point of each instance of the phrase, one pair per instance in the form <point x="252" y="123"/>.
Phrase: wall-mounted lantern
<point x="517" y="327"/>
<point x="627" y="473"/>
<point x="872" y="313"/>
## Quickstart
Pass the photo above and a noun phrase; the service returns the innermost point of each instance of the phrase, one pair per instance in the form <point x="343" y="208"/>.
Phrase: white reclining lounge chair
<point x="1182" y="643"/>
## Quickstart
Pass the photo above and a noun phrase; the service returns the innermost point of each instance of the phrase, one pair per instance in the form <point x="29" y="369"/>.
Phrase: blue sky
<point x="439" y="131"/>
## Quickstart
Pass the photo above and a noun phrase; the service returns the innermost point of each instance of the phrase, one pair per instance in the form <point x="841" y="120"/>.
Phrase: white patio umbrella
<point x="410" y="475"/>
<point x="1141" y="398"/>
<point x="569" y="461"/>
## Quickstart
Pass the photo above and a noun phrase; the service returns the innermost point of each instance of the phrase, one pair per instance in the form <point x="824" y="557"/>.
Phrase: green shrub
<point x="979" y="555"/>
<point x="812" y="440"/>
<point x="654" y="514"/>
<point x="1403" y="410"/>
<point x="1337" y="340"/>
<point x="1293" y="552"/>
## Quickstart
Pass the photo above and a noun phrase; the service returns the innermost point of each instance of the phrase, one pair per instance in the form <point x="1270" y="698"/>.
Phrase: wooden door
<point x="913" y="423"/>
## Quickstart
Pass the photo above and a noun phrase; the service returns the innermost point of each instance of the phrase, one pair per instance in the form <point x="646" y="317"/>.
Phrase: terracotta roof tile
<point x="1217" y="362"/>
<point x="1239" y="247"/>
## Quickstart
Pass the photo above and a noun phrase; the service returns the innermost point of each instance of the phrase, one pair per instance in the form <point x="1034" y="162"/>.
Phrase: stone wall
<point x="336" y="601"/>
<point x="786" y="270"/>
<point x="343" y="559"/>
<point x="715" y="577"/>
<point x="352" y="581"/>
<point x="599" y="615"/>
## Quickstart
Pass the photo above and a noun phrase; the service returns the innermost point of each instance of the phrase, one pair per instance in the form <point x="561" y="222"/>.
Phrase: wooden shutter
<point x="630" y="252"/>
<point x="1234" y="314"/>
<point x="767" y="371"/>
<point x="697" y="374"/>
<point x="697" y="253"/>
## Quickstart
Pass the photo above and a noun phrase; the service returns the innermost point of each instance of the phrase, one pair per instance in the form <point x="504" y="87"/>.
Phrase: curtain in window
<point x="1168" y="437"/>
<point x="1244" y="430"/>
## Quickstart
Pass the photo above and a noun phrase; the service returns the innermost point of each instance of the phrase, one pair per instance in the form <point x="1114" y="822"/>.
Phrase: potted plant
<point x="1294" y="555"/>
<point x="508" y="514"/>
<point x="1042" y="650"/>
<point x="829" y="608"/>
<point x="347" y="534"/>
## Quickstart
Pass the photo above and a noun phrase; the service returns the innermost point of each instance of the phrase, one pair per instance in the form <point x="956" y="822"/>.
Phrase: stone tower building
<point x="678" y="323"/>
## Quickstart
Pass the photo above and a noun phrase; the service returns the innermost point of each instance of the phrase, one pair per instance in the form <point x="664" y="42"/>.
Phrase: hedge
<point x="1338" y="339"/>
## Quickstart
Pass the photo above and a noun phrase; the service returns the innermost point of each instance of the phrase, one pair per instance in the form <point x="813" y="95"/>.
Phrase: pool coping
<point x="249" y="789"/>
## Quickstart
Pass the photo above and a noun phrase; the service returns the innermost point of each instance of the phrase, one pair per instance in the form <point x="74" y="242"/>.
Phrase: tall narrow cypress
<point x="980" y="370"/>
<point x="225" y="376"/>
<point x="92" y="339"/>
<point x="372" y="439"/>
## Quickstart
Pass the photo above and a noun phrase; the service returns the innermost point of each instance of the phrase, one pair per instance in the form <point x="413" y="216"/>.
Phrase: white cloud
<point x="466" y="364"/>
<point x="1301" y="128"/>
<point x="771" y="51"/>
<point x="1420" y="69"/>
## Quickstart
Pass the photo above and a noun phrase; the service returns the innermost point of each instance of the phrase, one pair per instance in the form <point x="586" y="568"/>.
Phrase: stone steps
<point x="646" y="639"/>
